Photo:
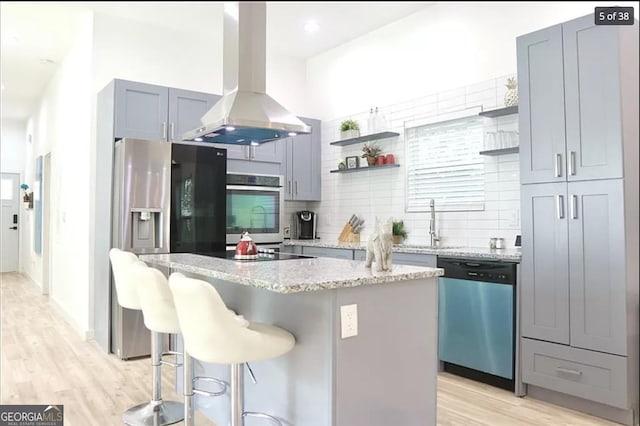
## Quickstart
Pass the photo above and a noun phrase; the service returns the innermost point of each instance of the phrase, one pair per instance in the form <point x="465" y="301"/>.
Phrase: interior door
<point x="9" y="210"/>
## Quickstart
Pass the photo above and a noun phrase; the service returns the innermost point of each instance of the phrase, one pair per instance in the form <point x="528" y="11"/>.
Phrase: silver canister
<point x="499" y="243"/>
<point x="493" y="243"/>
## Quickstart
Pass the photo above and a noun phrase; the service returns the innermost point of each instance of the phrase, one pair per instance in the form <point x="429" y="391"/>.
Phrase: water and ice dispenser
<point x="146" y="229"/>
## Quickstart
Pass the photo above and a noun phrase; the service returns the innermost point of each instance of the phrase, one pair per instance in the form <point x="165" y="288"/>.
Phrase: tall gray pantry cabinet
<point x="578" y="90"/>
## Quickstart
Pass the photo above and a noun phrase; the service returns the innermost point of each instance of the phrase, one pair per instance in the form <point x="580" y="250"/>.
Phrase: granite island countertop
<point x="290" y="276"/>
<point x="508" y="254"/>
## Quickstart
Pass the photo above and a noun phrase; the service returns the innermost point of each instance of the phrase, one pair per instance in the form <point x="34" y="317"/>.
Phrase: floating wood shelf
<point x="362" y="169"/>
<point x="365" y="138"/>
<point x="501" y="151"/>
<point x="500" y="112"/>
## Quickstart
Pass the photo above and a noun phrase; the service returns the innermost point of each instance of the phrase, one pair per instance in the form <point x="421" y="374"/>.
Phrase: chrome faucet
<point x="433" y="237"/>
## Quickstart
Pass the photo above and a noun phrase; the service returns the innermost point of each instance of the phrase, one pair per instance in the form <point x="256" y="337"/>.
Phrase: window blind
<point x="444" y="164"/>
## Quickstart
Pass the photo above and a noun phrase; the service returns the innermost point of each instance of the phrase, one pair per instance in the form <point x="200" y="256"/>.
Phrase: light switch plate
<point x="349" y="320"/>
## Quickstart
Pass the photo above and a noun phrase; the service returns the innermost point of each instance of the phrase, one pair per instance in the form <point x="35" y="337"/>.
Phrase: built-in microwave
<point x="255" y="204"/>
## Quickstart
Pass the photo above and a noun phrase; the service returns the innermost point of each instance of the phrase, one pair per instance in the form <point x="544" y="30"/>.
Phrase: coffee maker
<point x="305" y="225"/>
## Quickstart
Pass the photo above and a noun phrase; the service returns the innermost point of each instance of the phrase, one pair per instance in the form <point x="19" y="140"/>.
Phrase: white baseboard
<point x="84" y="334"/>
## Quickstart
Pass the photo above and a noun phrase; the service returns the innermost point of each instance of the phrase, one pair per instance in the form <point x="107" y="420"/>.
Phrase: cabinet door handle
<point x="574" y="207"/>
<point x="172" y="131"/>
<point x="296" y="184"/>
<point x="289" y="187"/>
<point x="247" y="152"/>
<point x="558" y="170"/>
<point x="560" y="206"/>
<point x="164" y="130"/>
<point x="572" y="163"/>
<point x="569" y="371"/>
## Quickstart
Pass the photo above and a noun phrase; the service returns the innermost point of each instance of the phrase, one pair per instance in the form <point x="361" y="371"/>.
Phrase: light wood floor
<point x="44" y="361"/>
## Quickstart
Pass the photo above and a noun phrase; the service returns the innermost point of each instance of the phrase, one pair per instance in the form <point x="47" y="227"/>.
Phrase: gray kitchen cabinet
<point x="302" y="164"/>
<point x="147" y="111"/>
<point x="186" y="109"/>
<point x="579" y="269"/>
<point x="570" y="75"/>
<point x="328" y="252"/>
<point x="545" y="262"/>
<point x="140" y="110"/>
<point x="598" y="307"/>
<point x="416" y="259"/>
<point x="541" y="106"/>
<point x="592" y="101"/>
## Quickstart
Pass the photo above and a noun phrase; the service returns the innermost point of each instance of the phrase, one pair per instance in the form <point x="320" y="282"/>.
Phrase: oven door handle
<point x="256" y="188"/>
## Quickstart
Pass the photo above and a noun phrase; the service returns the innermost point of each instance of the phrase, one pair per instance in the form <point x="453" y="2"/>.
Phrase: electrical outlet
<point x="349" y="320"/>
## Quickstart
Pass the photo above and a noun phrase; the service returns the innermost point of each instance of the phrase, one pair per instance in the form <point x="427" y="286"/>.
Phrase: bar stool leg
<point x="187" y="369"/>
<point x="237" y="394"/>
<point x="156" y="412"/>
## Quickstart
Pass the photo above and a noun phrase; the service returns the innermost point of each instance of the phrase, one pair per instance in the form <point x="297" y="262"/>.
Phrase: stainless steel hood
<point x="246" y="115"/>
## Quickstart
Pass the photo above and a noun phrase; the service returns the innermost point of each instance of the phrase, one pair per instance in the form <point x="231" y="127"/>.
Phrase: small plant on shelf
<point x="370" y="151"/>
<point x="398" y="231"/>
<point x="349" y="129"/>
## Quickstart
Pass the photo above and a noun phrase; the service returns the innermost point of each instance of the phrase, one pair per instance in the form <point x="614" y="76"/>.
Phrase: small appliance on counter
<point x="305" y="225"/>
<point x="246" y="248"/>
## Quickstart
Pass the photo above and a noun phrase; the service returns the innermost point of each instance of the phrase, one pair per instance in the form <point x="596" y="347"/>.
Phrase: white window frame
<point x="461" y="170"/>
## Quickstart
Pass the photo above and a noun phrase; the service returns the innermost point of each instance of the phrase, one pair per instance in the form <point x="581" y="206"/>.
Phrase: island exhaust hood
<point x="245" y="115"/>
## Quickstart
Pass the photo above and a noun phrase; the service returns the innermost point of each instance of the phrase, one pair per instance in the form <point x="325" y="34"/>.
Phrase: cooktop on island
<point x="262" y="256"/>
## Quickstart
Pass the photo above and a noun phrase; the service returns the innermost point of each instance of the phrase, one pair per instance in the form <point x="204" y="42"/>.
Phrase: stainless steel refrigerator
<point x="167" y="198"/>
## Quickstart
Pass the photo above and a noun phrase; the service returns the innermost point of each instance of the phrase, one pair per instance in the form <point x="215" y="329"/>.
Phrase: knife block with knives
<point x="351" y="230"/>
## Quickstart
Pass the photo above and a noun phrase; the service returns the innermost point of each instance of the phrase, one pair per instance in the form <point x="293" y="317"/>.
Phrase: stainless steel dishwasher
<point x="477" y="320"/>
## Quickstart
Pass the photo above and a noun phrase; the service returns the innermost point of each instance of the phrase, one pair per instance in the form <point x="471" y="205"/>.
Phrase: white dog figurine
<point x="379" y="246"/>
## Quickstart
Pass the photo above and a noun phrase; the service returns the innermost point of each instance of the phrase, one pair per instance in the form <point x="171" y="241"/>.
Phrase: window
<point x="444" y="164"/>
<point x="6" y="189"/>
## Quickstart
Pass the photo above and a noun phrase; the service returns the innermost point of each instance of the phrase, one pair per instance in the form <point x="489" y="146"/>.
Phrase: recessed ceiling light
<point x="311" y="26"/>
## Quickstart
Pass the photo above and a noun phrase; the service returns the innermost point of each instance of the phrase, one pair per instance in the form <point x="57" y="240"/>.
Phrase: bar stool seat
<point x="212" y="334"/>
<point x="155" y="412"/>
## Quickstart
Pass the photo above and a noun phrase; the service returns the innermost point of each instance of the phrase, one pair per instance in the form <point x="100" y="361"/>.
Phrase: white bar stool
<point x="160" y="316"/>
<point x="212" y="334"/>
<point x="156" y="412"/>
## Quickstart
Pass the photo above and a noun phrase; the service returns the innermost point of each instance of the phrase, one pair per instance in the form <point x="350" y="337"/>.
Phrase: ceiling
<point x="37" y="35"/>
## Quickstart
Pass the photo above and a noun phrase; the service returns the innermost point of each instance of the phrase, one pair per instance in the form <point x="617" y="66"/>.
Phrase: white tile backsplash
<point x="381" y="192"/>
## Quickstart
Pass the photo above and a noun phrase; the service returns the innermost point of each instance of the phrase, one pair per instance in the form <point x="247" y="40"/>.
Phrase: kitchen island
<point x="385" y="375"/>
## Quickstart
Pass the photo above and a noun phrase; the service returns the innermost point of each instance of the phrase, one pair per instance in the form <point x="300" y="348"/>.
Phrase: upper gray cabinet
<point x="147" y="111"/>
<point x="541" y="109"/>
<point x="140" y="110"/>
<point x="186" y="109"/>
<point x="302" y="165"/>
<point x="571" y="91"/>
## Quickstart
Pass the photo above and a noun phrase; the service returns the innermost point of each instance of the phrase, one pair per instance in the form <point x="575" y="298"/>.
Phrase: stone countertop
<point x="289" y="276"/>
<point x="508" y="254"/>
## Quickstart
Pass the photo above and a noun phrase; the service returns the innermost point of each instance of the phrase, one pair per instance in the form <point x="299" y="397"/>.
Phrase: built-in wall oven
<point x="255" y="204"/>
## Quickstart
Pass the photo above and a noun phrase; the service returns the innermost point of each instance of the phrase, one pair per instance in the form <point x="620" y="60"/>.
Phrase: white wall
<point x="62" y="125"/>
<point x="438" y="53"/>
<point x="444" y="46"/>
<point x="12" y="148"/>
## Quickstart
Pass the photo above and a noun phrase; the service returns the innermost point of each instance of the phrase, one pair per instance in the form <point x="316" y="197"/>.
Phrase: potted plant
<point x="349" y="129"/>
<point x="370" y="151"/>
<point x="398" y="231"/>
